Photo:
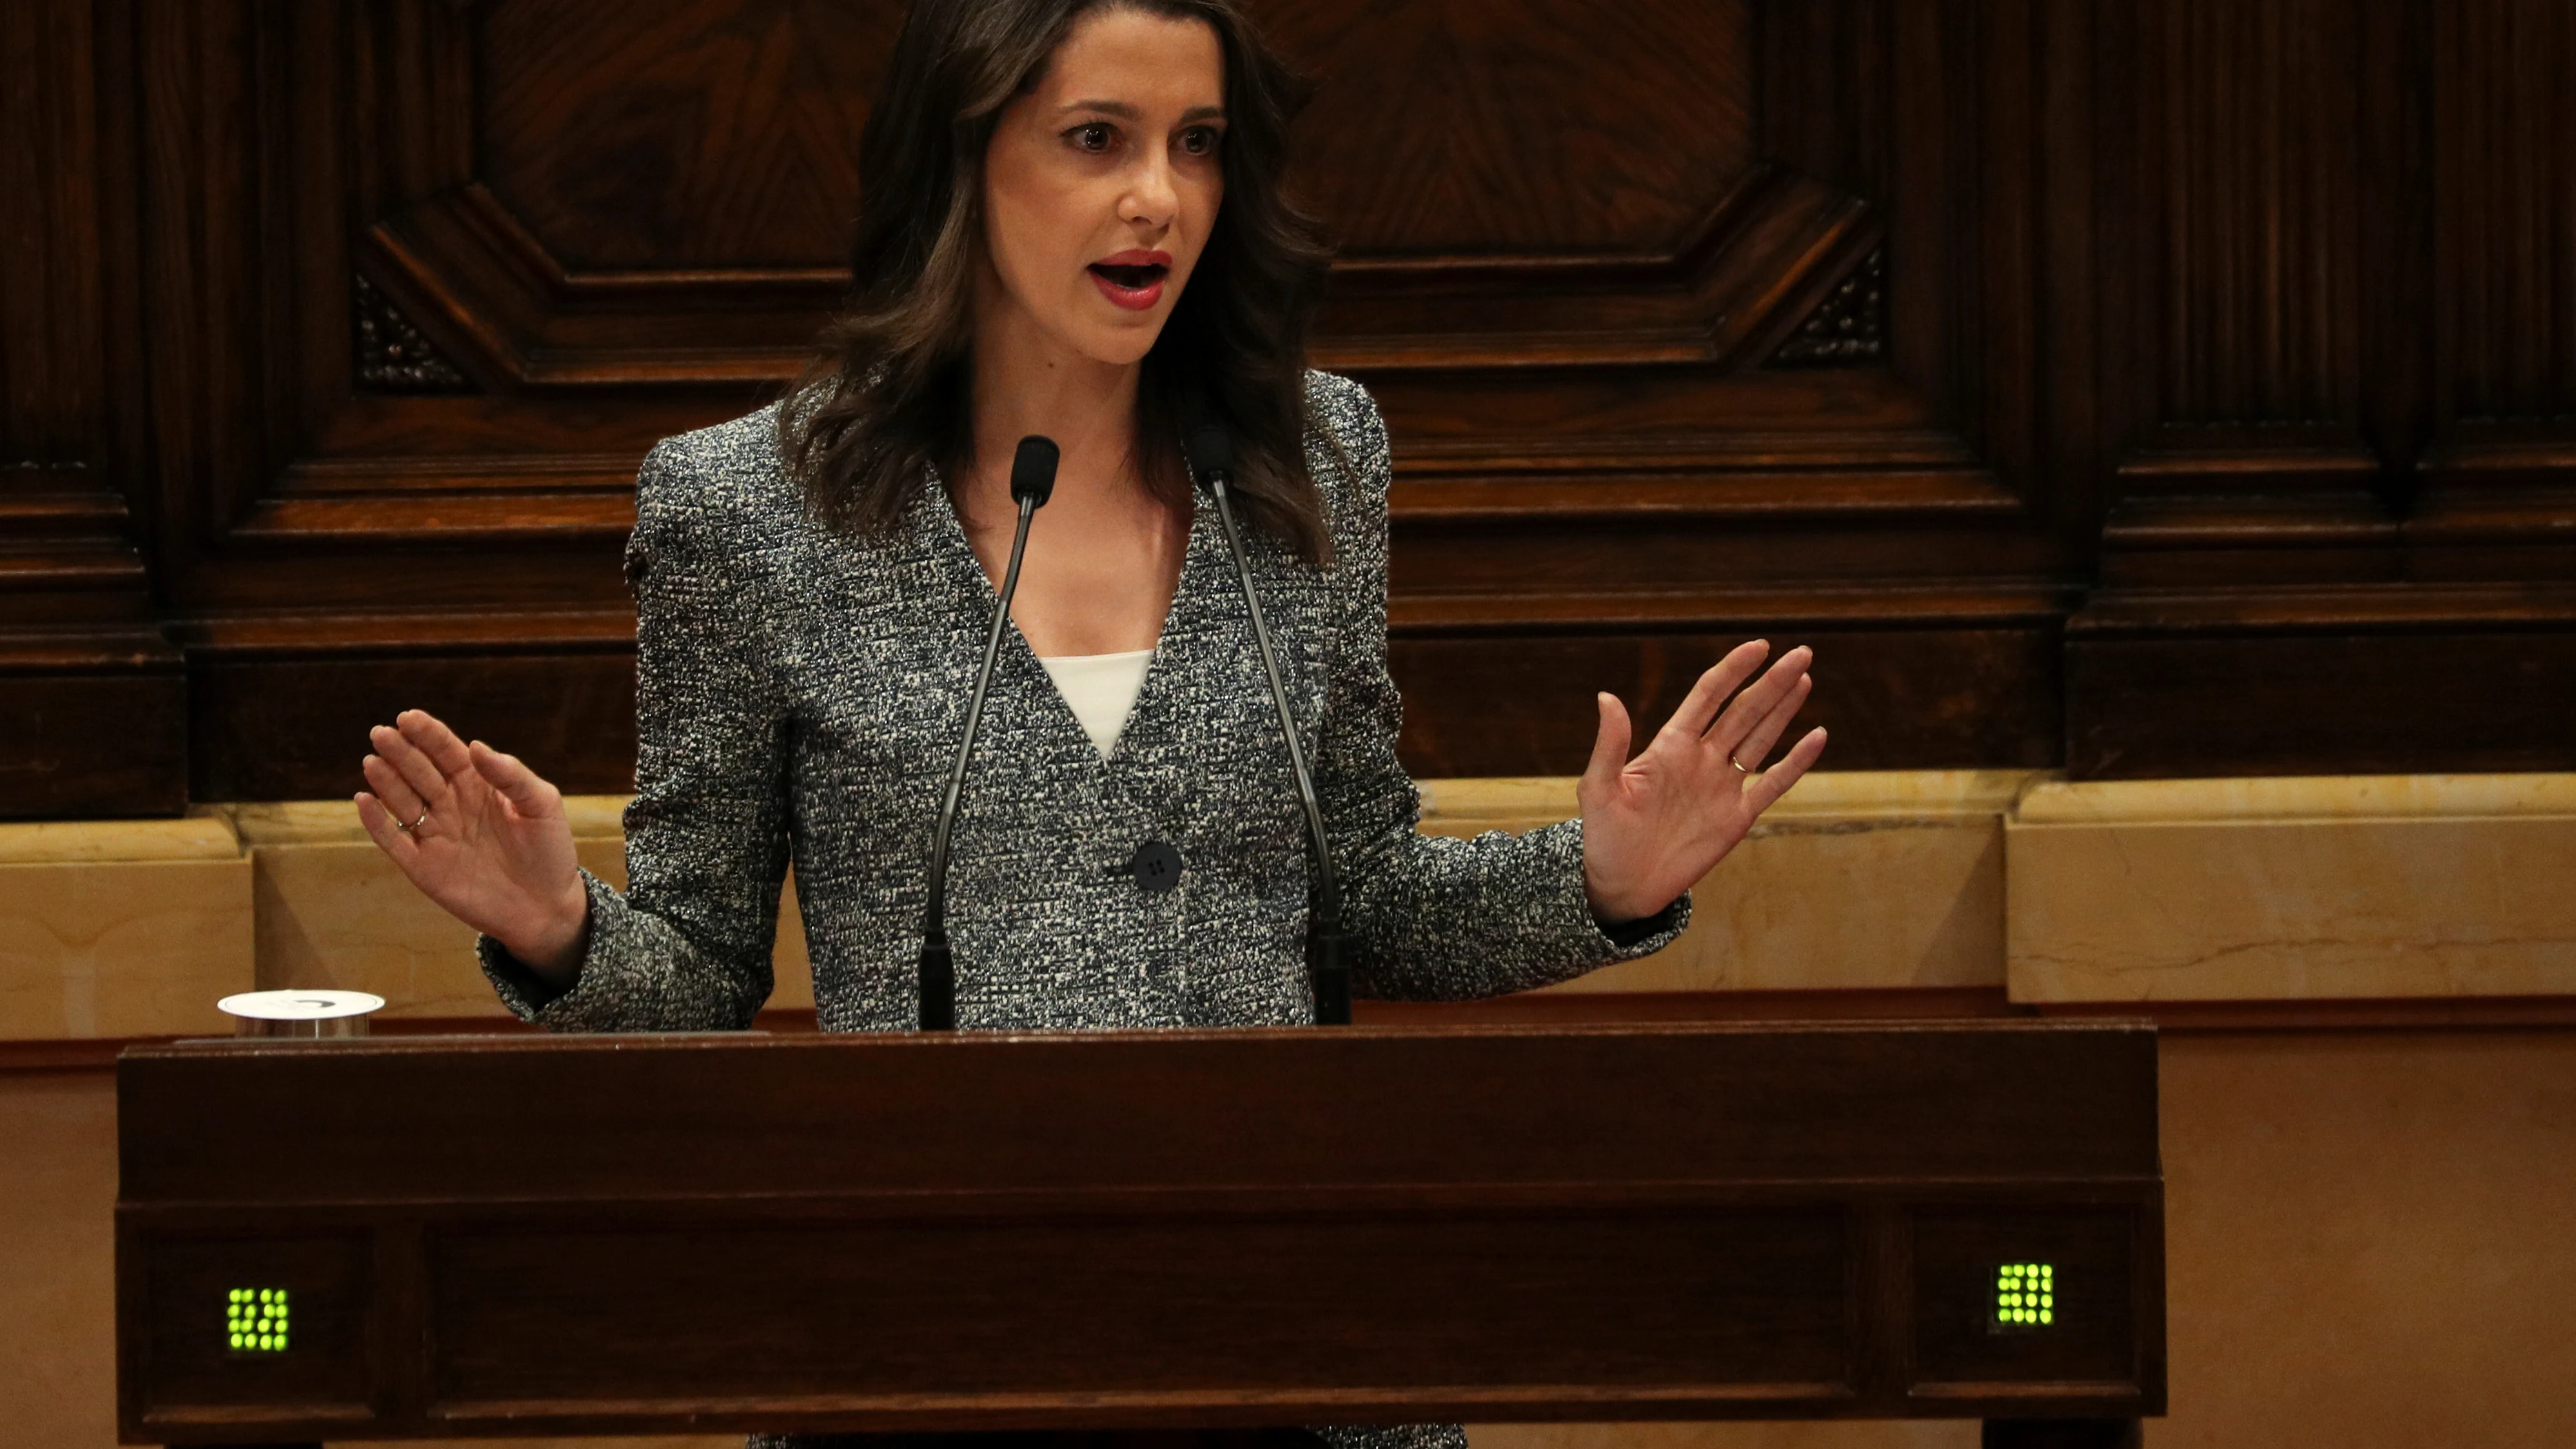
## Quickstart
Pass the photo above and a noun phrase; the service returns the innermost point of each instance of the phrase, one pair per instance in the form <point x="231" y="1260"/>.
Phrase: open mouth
<point x="1127" y="278"/>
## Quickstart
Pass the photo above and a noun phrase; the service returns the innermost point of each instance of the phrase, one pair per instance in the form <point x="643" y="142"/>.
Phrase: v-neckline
<point x="1024" y="658"/>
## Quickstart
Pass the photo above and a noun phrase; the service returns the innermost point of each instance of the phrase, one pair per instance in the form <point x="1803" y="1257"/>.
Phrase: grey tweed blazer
<point x="799" y="699"/>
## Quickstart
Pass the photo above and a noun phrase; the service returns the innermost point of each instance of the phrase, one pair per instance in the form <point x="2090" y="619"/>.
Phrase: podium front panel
<point x="438" y="1237"/>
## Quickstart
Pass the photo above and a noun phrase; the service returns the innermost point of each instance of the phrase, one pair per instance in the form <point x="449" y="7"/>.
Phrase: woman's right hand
<point x="480" y="834"/>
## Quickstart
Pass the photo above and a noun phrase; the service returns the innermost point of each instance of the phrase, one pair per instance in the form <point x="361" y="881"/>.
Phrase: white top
<point x="1102" y="689"/>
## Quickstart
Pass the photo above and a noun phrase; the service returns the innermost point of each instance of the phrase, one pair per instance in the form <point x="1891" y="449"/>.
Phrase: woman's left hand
<point x="1652" y="826"/>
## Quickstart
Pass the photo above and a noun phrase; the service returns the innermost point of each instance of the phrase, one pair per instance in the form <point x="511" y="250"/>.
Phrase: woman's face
<point x="1102" y="181"/>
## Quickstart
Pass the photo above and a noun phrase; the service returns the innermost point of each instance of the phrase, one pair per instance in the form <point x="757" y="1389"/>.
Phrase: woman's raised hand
<point x="480" y="834"/>
<point x="1652" y="826"/>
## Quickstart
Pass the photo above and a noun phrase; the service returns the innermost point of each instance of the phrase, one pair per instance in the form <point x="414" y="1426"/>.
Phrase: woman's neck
<point x="1025" y="382"/>
<point x="1104" y="560"/>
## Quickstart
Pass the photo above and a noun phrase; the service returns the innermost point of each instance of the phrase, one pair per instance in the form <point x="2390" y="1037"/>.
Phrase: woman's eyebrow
<point x="1126" y="112"/>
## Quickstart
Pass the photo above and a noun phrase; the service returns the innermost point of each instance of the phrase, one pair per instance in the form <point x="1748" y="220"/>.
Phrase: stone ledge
<point x="121" y="948"/>
<point x="1455" y="807"/>
<point x="2326" y="888"/>
<point x="2062" y="895"/>
<point x="75" y="842"/>
<point x="117" y="928"/>
<point x="1872" y="880"/>
<point x="2294" y="797"/>
<point x="332" y="911"/>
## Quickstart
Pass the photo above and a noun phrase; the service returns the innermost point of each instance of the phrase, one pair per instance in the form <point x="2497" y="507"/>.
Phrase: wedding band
<point x="1739" y="765"/>
<point x="424" y="820"/>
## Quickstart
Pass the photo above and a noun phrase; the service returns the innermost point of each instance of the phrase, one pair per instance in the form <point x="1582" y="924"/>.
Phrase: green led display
<point x="2025" y="1295"/>
<point x="255" y="1320"/>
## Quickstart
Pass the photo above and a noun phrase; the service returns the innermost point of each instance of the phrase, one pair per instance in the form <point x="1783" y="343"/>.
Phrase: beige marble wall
<point x="57" y="1259"/>
<point x="2203" y="890"/>
<point x="333" y="911"/>
<point x="123" y="928"/>
<point x="2367" y="1240"/>
<point x="1855" y="880"/>
<point x="2417" y="886"/>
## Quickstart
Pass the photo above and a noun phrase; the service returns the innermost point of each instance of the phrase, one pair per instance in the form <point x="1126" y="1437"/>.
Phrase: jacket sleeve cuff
<point x="533" y="998"/>
<point x="1608" y="942"/>
<point x="1649" y="934"/>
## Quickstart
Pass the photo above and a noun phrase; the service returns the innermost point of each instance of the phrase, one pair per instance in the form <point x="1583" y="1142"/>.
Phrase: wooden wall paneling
<point x="92" y="698"/>
<point x="1929" y="693"/>
<point x="2346" y="225"/>
<point x="2069" y="256"/>
<point x="293" y="724"/>
<point x="2479" y="685"/>
<point x="1870" y="320"/>
<point x="430" y="279"/>
<point x="2504" y="148"/>
<point x="52" y="375"/>
<point x="2237" y="354"/>
<point x="2500" y="474"/>
<point x="669" y="210"/>
<point x="198" y="275"/>
<point x="386" y="513"/>
<point x="1713" y="491"/>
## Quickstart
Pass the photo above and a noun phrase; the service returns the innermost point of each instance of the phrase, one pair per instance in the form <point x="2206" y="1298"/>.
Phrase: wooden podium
<point x="469" y="1236"/>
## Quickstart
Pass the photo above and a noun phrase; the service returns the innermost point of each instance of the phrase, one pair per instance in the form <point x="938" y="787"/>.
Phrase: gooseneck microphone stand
<point x="1328" y="946"/>
<point x="1032" y="481"/>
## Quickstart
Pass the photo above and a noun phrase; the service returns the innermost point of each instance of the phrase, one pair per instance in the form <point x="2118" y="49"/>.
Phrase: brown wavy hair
<point x="889" y="394"/>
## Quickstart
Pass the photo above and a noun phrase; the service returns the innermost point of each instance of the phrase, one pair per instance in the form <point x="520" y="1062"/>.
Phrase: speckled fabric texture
<point x="800" y="695"/>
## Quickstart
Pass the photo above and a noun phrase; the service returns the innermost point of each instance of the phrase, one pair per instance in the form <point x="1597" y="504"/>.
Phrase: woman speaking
<point x="1071" y="225"/>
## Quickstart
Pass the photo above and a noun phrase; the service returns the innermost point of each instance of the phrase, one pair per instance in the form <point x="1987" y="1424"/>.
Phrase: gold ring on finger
<point x="424" y="820"/>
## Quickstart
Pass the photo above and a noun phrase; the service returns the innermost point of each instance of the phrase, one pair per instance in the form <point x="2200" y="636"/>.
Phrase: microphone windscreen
<point x="1211" y="451"/>
<point x="1033" y="470"/>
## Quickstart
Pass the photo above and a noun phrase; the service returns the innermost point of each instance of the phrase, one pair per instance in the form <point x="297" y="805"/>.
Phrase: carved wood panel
<point x="485" y="257"/>
<point x="697" y="137"/>
<point x="1984" y="343"/>
<point x="2504" y="213"/>
<point x="1453" y="129"/>
<point x="93" y="698"/>
<point x="2343" y="234"/>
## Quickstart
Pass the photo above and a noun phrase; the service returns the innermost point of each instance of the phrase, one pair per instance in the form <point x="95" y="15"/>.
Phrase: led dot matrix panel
<point x="2025" y="1296"/>
<point x="255" y="1320"/>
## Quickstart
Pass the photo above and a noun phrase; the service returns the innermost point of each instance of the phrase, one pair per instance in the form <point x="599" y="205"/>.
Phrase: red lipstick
<point x="1132" y="279"/>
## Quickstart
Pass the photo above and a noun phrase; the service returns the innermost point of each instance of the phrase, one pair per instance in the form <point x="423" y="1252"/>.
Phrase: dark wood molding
<point x="2061" y="1434"/>
<point x="528" y="323"/>
<point x="93" y="699"/>
<point x="1900" y="697"/>
<point x="2159" y="682"/>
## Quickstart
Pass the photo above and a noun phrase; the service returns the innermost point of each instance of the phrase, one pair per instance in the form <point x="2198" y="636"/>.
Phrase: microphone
<point x="1032" y="481"/>
<point x="1328" y="946"/>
